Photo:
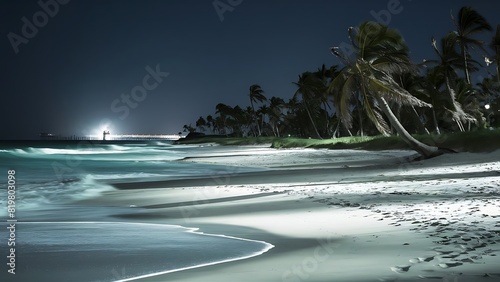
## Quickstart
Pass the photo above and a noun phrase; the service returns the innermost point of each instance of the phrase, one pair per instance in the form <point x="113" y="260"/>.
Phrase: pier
<point x="118" y="137"/>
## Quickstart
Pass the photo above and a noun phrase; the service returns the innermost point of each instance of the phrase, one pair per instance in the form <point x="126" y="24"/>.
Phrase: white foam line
<point x="191" y="230"/>
<point x="200" y="265"/>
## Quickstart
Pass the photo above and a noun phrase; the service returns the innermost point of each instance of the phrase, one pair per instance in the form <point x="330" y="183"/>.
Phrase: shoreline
<point x="75" y="261"/>
<point x="382" y="225"/>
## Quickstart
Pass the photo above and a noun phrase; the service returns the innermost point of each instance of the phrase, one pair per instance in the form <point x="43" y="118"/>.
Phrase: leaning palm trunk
<point x="425" y="150"/>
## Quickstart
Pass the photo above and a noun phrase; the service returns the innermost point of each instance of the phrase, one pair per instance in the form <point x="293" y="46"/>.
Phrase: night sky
<point x="71" y="76"/>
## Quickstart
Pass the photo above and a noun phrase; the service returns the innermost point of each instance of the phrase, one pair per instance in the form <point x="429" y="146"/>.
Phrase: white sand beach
<point x="335" y="215"/>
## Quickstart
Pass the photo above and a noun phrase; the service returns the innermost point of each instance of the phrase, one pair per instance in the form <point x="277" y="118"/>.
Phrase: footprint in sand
<point x="388" y="279"/>
<point x="421" y="259"/>
<point x="467" y="260"/>
<point x="449" y="264"/>
<point x="450" y="256"/>
<point x="400" y="268"/>
<point x="425" y="259"/>
<point x="440" y="252"/>
<point x="430" y="277"/>
<point x="415" y="260"/>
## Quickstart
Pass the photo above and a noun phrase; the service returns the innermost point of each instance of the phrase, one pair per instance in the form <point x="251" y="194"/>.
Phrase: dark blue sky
<point x="70" y="76"/>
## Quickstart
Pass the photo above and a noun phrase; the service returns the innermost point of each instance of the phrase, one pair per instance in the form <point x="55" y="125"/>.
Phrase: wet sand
<point x="381" y="218"/>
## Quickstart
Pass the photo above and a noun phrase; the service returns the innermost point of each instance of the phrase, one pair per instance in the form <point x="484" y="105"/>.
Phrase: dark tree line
<point x="377" y="89"/>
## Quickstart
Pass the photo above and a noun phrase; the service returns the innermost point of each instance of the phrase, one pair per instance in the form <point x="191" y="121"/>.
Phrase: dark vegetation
<point x="378" y="98"/>
<point x="471" y="141"/>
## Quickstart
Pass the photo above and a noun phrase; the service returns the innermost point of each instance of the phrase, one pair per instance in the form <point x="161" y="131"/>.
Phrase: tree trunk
<point x="262" y="124"/>
<point x="418" y="121"/>
<point x="348" y="131"/>
<point x="327" y="118"/>
<point x="460" y="125"/>
<point x="273" y="128"/>
<point x="466" y="64"/>
<point x="255" y="117"/>
<point x="452" y="100"/>
<point x="360" y="117"/>
<point x="312" y="121"/>
<point x="436" y="125"/>
<point x="336" y="129"/>
<point x="498" y="70"/>
<point x="252" y="129"/>
<point x="498" y="62"/>
<point x="423" y="149"/>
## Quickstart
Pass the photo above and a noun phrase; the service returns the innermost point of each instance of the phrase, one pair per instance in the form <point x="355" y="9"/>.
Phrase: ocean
<point x="59" y="240"/>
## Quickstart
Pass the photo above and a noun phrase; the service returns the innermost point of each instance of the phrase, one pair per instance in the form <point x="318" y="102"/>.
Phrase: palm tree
<point x="219" y="125"/>
<point x="237" y="120"/>
<point x="469" y="24"/>
<point x="188" y="128"/>
<point x="449" y="60"/>
<point x="276" y="105"/>
<point x="490" y="88"/>
<point x="224" y="112"/>
<point x="201" y="123"/>
<point x="495" y="45"/>
<point x="469" y="98"/>
<point x="308" y="85"/>
<point x="210" y="123"/>
<point x="260" y="115"/>
<point x="326" y="75"/>
<point x="432" y="82"/>
<point x="380" y="54"/>
<point x="256" y="95"/>
<point x="294" y="124"/>
<point x="249" y="117"/>
<point x="414" y="84"/>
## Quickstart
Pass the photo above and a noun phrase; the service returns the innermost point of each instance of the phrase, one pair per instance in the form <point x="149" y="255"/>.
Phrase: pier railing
<point x="135" y="137"/>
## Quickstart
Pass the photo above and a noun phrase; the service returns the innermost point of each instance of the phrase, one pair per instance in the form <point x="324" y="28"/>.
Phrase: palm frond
<point x="257" y="94"/>
<point x="383" y="84"/>
<point x="471" y="22"/>
<point x="495" y="41"/>
<point x="372" y="110"/>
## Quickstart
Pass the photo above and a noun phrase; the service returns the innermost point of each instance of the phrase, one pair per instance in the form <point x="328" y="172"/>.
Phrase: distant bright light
<point x="487" y="106"/>
<point x="97" y="133"/>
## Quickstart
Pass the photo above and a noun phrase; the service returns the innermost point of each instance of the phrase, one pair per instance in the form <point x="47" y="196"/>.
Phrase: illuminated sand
<point x="378" y="219"/>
